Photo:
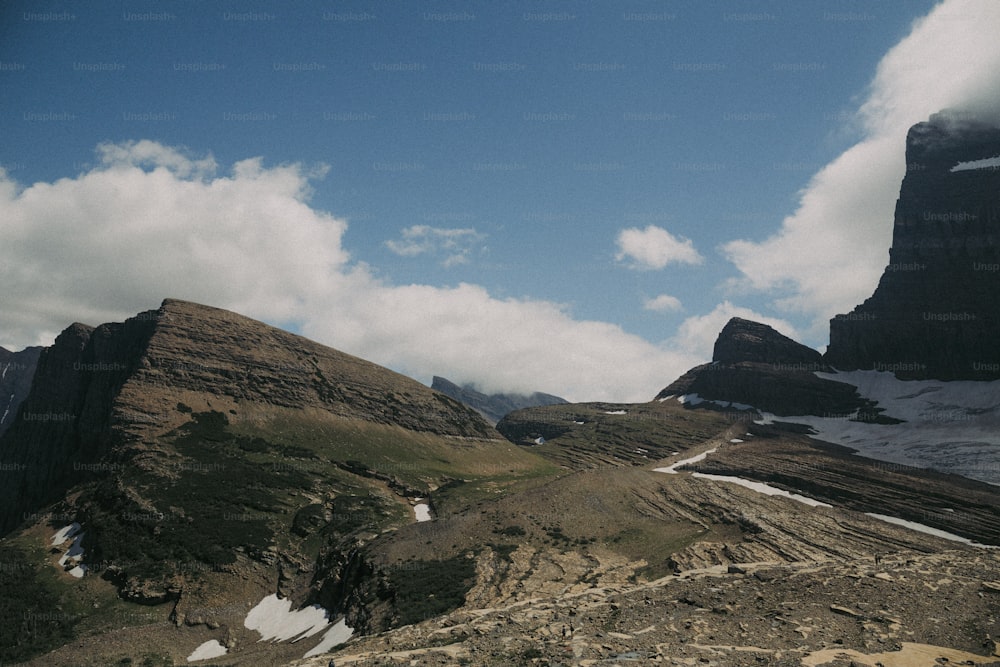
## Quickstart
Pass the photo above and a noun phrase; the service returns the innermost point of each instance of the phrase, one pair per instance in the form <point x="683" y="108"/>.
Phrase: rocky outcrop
<point x="747" y="341"/>
<point x="754" y="365"/>
<point x="493" y="406"/>
<point x="936" y="310"/>
<point x="16" y="371"/>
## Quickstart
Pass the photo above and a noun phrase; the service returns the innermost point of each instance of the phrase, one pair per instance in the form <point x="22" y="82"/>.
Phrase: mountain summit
<point x="196" y="462"/>
<point x="936" y="310"/>
<point x="99" y="391"/>
<point x="755" y="366"/>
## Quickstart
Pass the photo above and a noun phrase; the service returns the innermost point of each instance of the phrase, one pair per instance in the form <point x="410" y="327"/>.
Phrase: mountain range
<point x="493" y="406"/>
<point x="191" y="486"/>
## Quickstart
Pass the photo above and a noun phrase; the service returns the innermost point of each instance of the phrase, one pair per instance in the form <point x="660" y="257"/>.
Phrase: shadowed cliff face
<point x="16" y="371"/>
<point x="936" y="310"/>
<point x="65" y="424"/>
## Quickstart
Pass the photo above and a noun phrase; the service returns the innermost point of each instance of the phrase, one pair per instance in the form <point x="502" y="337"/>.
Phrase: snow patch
<point x="210" y="649"/>
<point x="736" y="440"/>
<point x="985" y="163"/>
<point x="761" y="487"/>
<point x="274" y="619"/>
<point x="335" y="636"/>
<point x="65" y="533"/>
<point x="912" y="525"/>
<point x="422" y="512"/>
<point x="695" y="399"/>
<point x="74" y="552"/>
<point x="672" y="469"/>
<point x="616" y="412"/>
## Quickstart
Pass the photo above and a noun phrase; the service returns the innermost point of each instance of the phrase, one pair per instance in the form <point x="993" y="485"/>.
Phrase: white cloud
<point x="150" y="222"/>
<point x="828" y="255"/>
<point x="457" y="244"/>
<point x="663" y="303"/>
<point x="654" y="248"/>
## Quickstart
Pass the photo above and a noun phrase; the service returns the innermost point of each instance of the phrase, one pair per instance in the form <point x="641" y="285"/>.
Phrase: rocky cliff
<point x="493" y="406"/>
<point x="64" y="426"/>
<point x="936" y="310"/>
<point x="754" y="365"/>
<point x="16" y="371"/>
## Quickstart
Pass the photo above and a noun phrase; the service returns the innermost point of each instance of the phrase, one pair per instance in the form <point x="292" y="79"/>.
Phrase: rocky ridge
<point x="98" y="390"/>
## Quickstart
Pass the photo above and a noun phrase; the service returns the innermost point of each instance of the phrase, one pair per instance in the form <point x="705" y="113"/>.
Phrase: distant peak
<point x="746" y="340"/>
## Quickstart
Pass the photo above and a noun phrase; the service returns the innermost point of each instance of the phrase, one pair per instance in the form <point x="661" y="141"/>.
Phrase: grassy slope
<point x="214" y="492"/>
<point x="583" y="435"/>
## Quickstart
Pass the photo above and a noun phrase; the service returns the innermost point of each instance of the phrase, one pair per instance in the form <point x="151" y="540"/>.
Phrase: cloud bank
<point x="151" y="221"/>
<point x="828" y="255"/>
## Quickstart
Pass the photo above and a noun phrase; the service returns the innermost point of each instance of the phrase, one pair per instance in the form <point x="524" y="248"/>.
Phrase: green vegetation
<point x="585" y="435"/>
<point x="440" y="587"/>
<point x="32" y="617"/>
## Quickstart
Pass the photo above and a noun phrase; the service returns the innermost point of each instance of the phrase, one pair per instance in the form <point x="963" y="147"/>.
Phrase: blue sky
<point x="502" y="193"/>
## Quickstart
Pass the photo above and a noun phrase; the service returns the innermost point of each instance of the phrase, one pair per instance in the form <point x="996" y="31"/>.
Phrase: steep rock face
<point x="65" y="424"/>
<point x="99" y="390"/>
<point x="755" y="365"/>
<point x="493" y="406"/>
<point x="16" y="371"/>
<point x="936" y="310"/>
<point x="747" y="341"/>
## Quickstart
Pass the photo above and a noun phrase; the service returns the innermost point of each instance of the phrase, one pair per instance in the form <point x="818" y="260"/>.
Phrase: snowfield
<point x="951" y="427"/>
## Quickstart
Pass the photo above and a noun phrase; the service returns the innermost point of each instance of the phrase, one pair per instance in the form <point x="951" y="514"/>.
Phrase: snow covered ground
<point x="210" y="649"/>
<point x="672" y="468"/>
<point x="949" y="426"/>
<point x="336" y="635"/>
<point x="275" y="620"/>
<point x="74" y="552"/>
<point x="422" y="511"/>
